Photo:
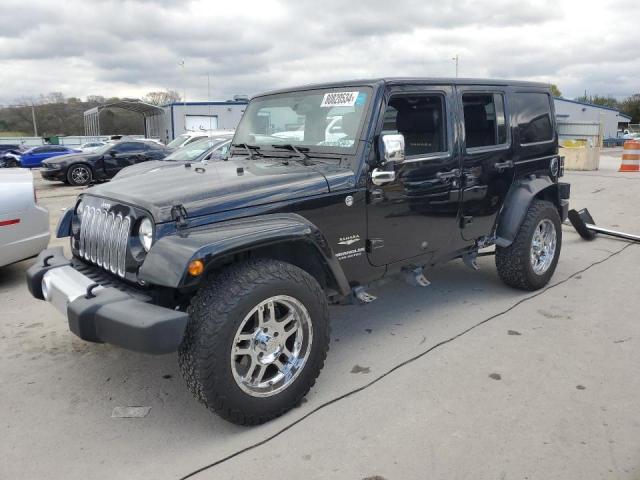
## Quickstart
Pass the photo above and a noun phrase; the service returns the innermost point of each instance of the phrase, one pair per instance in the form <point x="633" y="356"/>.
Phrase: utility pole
<point x="456" y="59"/>
<point x="33" y="117"/>
<point x="184" y="95"/>
<point x="184" y="84"/>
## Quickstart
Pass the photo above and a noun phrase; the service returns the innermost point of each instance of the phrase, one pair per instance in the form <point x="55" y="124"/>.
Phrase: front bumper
<point x="52" y="173"/>
<point x="104" y="314"/>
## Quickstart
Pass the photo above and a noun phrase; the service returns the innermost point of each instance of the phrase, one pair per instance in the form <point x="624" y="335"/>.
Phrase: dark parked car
<point x="102" y="164"/>
<point x="233" y="263"/>
<point x="214" y="148"/>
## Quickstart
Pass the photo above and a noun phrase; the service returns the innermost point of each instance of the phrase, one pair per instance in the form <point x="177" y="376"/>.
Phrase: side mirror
<point x="113" y="154"/>
<point x="391" y="148"/>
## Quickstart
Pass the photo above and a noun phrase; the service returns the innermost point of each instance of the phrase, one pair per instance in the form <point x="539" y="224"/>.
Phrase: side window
<point x="484" y="119"/>
<point x="421" y="119"/>
<point x="533" y="117"/>
<point x="127" y="147"/>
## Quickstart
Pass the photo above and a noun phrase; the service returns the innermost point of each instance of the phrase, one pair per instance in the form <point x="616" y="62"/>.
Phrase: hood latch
<point x="179" y="215"/>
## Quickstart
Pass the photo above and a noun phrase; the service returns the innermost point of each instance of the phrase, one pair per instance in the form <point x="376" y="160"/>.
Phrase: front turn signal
<point x="196" y="267"/>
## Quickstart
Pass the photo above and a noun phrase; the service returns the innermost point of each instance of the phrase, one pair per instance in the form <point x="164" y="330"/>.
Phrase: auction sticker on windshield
<point x="339" y="99"/>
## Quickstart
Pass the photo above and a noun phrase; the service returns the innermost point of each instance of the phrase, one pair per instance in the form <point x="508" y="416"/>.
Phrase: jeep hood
<point x="216" y="187"/>
<point x="151" y="165"/>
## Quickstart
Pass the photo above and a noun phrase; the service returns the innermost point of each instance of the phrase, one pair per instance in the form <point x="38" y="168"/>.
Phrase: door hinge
<point x="465" y="220"/>
<point x="374" y="243"/>
<point x="375" y="195"/>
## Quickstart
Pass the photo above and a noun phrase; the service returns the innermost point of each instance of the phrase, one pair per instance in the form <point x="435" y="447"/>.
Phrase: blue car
<point x="33" y="157"/>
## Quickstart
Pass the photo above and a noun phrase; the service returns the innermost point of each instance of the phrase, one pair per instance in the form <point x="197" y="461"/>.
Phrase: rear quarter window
<point x="533" y="117"/>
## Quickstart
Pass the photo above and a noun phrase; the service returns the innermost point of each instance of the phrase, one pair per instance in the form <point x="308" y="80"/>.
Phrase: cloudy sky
<point x="129" y="47"/>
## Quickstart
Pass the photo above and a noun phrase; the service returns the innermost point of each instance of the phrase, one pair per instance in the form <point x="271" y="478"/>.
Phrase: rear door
<point x="487" y="151"/>
<point x="57" y="151"/>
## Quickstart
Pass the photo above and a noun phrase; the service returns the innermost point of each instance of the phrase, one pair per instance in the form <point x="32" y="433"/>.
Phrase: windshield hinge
<point x="179" y="215"/>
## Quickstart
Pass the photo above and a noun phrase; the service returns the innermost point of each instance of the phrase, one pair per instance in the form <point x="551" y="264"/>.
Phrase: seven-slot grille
<point x="104" y="238"/>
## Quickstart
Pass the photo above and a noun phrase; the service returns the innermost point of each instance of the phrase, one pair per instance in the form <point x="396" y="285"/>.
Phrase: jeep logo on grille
<point x="105" y="206"/>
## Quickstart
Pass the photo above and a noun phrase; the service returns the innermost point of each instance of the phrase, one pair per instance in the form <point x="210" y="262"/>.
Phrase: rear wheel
<point x="256" y="341"/>
<point x="530" y="261"/>
<point x="79" y="175"/>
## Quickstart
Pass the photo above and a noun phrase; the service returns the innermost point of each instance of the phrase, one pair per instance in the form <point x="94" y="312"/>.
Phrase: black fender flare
<point x="167" y="262"/>
<point x="518" y="200"/>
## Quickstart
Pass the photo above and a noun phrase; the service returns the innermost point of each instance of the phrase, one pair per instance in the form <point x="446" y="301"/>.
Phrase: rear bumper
<point x="105" y="314"/>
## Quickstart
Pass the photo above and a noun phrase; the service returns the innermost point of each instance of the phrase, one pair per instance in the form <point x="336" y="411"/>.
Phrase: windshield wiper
<point x="251" y="149"/>
<point x="304" y="158"/>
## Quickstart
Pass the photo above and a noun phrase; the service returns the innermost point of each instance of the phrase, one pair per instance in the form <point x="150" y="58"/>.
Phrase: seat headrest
<point x="417" y="120"/>
<point x="475" y="117"/>
<point x="350" y="123"/>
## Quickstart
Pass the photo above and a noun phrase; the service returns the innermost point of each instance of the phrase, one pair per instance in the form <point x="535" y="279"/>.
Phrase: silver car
<point x="24" y="225"/>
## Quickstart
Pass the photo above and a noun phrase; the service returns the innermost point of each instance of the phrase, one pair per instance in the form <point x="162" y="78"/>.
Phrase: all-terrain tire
<point x="514" y="262"/>
<point x="215" y="314"/>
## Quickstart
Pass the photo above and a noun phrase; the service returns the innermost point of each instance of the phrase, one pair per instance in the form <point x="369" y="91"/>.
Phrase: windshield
<point x="103" y="149"/>
<point x="193" y="150"/>
<point x="179" y="140"/>
<point x="321" y="120"/>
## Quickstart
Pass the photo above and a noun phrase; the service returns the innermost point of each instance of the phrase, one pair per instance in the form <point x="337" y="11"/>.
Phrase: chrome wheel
<point x="271" y="346"/>
<point x="80" y="175"/>
<point x="543" y="246"/>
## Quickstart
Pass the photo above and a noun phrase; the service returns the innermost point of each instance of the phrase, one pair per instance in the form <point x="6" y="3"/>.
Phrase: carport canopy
<point x="150" y="113"/>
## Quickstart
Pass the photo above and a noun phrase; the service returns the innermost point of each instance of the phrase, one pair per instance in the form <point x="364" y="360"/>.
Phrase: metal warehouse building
<point x="573" y="112"/>
<point x="194" y="116"/>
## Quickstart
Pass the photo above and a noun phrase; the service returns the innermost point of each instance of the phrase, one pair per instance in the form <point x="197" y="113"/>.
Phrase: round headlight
<point x="554" y="167"/>
<point x="145" y="233"/>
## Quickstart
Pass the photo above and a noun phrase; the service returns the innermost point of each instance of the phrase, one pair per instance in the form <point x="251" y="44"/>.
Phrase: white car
<point x="190" y="137"/>
<point x="24" y="225"/>
<point x="91" y="146"/>
<point x="333" y="132"/>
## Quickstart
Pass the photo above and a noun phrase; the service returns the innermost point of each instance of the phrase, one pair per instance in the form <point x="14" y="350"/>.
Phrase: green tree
<point x="631" y="107"/>
<point x="162" y="97"/>
<point x="555" y="91"/>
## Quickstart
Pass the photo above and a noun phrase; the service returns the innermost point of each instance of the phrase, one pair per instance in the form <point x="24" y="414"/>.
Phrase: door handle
<point x="448" y="176"/>
<point x="382" y="177"/>
<point x="500" y="166"/>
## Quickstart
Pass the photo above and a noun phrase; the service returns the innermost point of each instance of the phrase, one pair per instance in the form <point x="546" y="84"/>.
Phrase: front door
<point x="123" y="155"/>
<point x="487" y="159"/>
<point x="417" y="213"/>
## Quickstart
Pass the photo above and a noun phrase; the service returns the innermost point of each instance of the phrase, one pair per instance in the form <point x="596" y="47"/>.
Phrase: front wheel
<point x="529" y="262"/>
<point x="79" y="175"/>
<point x="256" y="340"/>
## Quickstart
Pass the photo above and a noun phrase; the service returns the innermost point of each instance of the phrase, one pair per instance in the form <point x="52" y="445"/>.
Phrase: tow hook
<point x="584" y="224"/>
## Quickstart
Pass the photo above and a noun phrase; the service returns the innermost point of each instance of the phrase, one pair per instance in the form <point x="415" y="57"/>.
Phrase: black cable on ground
<point x="396" y="367"/>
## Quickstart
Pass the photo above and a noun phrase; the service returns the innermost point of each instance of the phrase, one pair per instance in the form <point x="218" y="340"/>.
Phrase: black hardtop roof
<point x="372" y="82"/>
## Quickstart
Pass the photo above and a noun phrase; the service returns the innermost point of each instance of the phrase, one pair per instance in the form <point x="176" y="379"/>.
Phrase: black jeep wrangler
<point x="327" y="189"/>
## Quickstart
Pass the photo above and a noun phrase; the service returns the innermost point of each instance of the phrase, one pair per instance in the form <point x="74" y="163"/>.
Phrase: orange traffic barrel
<point x="630" y="157"/>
